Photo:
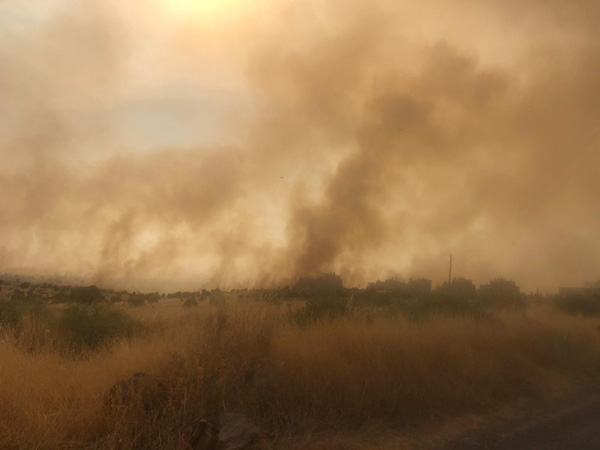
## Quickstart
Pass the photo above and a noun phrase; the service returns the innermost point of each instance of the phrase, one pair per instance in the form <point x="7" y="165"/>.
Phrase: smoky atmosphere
<point x="299" y="225"/>
<point x="237" y="143"/>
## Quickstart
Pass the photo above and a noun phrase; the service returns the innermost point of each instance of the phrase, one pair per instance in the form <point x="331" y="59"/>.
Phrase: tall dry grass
<point x="293" y="381"/>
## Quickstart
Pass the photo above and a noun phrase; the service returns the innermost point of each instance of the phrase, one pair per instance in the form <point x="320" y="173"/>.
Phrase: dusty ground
<point x="567" y="424"/>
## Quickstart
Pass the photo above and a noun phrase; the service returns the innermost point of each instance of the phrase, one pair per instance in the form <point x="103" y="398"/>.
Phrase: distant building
<point x="461" y="287"/>
<point x="415" y="286"/>
<point x="420" y="286"/>
<point x="324" y="284"/>
<point x="572" y="291"/>
<point x="389" y="285"/>
<point x="588" y="289"/>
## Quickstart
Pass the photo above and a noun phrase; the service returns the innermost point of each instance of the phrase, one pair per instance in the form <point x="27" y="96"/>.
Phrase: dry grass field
<point x="325" y="383"/>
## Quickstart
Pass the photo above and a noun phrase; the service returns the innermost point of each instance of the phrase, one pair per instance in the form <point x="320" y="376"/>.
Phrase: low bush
<point x="86" y="295"/>
<point x="136" y="300"/>
<point x="26" y="324"/>
<point x="14" y="312"/>
<point x="190" y="303"/>
<point x="92" y="327"/>
<point x="152" y="298"/>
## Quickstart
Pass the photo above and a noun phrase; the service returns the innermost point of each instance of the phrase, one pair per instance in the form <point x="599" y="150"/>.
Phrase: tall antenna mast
<point x="450" y="272"/>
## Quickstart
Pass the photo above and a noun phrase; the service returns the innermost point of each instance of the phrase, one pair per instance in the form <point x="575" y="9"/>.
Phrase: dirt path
<point x="571" y="426"/>
<point x="571" y="422"/>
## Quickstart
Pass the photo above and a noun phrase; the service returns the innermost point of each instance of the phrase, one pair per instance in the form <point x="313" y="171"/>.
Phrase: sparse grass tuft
<point x="322" y="307"/>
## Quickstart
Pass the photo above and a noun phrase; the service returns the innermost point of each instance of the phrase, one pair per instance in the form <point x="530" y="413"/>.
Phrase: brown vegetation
<point x="301" y="383"/>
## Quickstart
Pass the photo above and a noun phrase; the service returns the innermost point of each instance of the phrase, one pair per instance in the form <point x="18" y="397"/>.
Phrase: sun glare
<point x="210" y="9"/>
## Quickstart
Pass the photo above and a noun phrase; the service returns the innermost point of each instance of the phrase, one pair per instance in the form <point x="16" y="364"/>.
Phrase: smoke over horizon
<point x="293" y="138"/>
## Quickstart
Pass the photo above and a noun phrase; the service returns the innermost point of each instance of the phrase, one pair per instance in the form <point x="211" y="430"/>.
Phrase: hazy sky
<point x="242" y="142"/>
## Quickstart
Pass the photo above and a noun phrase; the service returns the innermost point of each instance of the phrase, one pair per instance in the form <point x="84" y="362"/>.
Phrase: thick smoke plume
<point x="366" y="138"/>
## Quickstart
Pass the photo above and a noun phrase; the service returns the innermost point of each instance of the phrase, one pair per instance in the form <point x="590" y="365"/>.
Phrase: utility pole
<point x="450" y="272"/>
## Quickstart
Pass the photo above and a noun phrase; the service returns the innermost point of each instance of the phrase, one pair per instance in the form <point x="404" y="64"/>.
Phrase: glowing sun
<point x="204" y="8"/>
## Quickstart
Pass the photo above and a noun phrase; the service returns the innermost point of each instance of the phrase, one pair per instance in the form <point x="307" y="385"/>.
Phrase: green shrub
<point x="152" y="298"/>
<point x="10" y="314"/>
<point x="14" y="312"/>
<point x="190" y="303"/>
<point x="92" y="327"/>
<point x="136" y="300"/>
<point x="27" y="323"/>
<point x="86" y="295"/>
<point x="216" y="297"/>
